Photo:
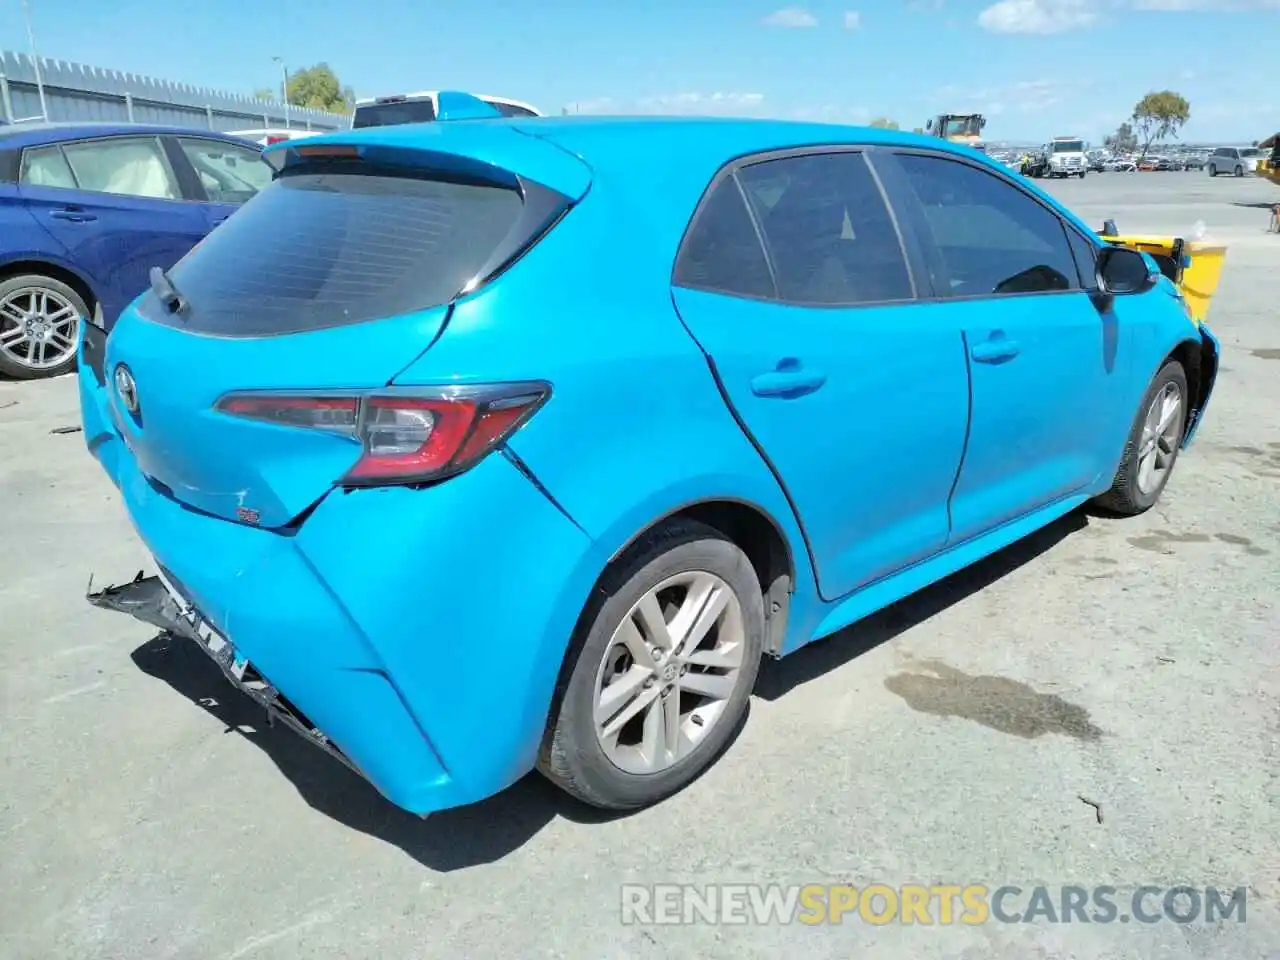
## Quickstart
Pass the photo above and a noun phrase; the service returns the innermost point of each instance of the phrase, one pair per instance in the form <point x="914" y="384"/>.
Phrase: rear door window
<point x="722" y="252"/>
<point x="320" y="249"/>
<point x="828" y="231"/>
<point x="126" y="166"/>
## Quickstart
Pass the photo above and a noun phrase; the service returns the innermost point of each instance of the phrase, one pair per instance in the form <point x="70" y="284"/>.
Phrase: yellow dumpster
<point x="1194" y="265"/>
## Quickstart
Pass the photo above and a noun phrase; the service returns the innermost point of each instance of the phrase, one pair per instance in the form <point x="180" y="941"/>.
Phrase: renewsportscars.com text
<point x="931" y="904"/>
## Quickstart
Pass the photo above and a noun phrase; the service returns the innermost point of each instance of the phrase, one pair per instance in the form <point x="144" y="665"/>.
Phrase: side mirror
<point x="1122" y="271"/>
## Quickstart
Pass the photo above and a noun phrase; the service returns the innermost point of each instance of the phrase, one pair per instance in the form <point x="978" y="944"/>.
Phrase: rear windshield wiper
<point x="163" y="288"/>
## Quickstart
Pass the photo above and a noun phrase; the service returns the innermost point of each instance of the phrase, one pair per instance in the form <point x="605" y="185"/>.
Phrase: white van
<point x="424" y="107"/>
<point x="265" y="137"/>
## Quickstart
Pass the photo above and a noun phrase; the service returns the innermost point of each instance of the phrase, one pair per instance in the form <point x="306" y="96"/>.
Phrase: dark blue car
<point x="86" y="210"/>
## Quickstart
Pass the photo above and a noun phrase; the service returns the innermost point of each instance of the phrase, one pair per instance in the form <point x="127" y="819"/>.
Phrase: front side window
<point x="993" y="238"/>
<point x="229" y="174"/>
<point x="46" y="167"/>
<point x="828" y="231"/>
<point x="127" y="166"/>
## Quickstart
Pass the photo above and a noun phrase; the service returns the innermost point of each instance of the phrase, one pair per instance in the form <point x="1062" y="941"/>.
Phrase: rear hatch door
<point x="333" y="278"/>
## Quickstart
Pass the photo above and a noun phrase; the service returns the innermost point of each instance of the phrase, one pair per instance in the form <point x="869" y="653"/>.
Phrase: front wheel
<point x="1213" y="171"/>
<point x="1082" y="174"/>
<point x="1153" y="444"/>
<point x="39" y="327"/>
<point x="662" y="667"/>
<point x="1239" y="171"/>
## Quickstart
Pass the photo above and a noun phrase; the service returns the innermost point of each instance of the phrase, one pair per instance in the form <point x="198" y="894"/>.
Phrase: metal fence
<point x="75" y="92"/>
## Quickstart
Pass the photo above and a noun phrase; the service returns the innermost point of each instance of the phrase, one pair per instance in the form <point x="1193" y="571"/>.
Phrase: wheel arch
<point x="1199" y="359"/>
<point x="757" y="533"/>
<point x="47" y="268"/>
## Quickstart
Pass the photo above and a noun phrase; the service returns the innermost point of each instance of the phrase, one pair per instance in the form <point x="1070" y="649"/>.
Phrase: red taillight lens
<point x="410" y="437"/>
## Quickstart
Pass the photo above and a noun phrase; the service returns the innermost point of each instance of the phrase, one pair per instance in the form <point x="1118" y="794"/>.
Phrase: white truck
<point x="1065" y="157"/>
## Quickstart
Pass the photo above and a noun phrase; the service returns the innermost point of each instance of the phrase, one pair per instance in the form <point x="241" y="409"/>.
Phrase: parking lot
<point x="1098" y="705"/>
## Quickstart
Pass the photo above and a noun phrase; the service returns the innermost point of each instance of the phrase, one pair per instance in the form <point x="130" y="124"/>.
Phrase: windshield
<point x="962" y="127"/>
<point x="392" y="114"/>
<point x="1067" y="146"/>
<point x="1250" y="152"/>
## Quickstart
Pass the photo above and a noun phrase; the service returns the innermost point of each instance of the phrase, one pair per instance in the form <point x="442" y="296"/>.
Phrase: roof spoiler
<point x="456" y="105"/>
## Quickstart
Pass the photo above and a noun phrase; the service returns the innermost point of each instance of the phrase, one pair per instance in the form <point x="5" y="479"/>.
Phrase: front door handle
<point x="995" y="350"/>
<point x="789" y="380"/>
<point x="74" y="215"/>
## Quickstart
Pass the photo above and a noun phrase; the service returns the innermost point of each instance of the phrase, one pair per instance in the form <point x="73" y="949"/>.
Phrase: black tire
<point x="1082" y="174"/>
<point x="1124" y="497"/>
<point x="1213" y="171"/>
<point x="572" y="757"/>
<point x="9" y="367"/>
<point x="1239" y="171"/>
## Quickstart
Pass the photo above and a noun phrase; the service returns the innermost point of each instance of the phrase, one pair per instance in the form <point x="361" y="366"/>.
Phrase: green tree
<point x="1122" y="141"/>
<point x="917" y="129"/>
<point x="1160" y="114"/>
<point x="318" y="88"/>
<point x="885" y="123"/>
<point x="266" y="93"/>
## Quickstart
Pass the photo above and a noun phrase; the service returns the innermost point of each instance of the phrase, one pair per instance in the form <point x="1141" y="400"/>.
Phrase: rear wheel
<point x="39" y="326"/>
<point x="1153" y="444"/>
<point x="664" y="665"/>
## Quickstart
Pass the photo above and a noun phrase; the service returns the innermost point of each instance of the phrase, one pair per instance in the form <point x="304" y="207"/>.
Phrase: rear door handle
<point x="73" y="215"/>
<point x="787" y="383"/>
<point x="995" y="350"/>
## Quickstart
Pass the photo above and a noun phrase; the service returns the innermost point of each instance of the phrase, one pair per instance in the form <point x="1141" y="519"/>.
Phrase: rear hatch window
<point x="318" y="249"/>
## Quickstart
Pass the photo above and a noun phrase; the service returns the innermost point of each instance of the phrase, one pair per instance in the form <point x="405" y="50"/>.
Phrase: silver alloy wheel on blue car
<point x="39" y="327"/>
<point x="1151" y="449"/>
<point x="659" y="673"/>
<point x="673" y="664"/>
<point x="1161" y="436"/>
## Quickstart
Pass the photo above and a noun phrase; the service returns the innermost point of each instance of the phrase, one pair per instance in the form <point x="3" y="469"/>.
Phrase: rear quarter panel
<point x="636" y="428"/>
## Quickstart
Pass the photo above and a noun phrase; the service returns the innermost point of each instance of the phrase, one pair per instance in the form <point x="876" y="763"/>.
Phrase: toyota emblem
<point x="127" y="388"/>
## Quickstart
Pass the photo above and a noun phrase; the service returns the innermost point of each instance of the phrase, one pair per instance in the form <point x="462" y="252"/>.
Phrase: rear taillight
<point x="408" y="436"/>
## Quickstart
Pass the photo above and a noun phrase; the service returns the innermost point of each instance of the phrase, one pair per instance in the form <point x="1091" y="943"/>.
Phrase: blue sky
<point x="1038" y="68"/>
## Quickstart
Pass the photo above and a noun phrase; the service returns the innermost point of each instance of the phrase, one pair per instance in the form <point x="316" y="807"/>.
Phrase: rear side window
<point x="324" y="249"/>
<point x="722" y="252"/>
<point x="993" y="238"/>
<point x="393" y="114"/>
<point x="47" y="167"/>
<point x="829" y="234"/>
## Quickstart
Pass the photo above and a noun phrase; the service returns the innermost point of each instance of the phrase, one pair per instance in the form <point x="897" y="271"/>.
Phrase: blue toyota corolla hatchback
<point x="477" y="447"/>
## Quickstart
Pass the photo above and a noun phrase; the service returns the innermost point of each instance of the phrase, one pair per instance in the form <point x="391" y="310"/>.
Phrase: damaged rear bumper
<point x="153" y="600"/>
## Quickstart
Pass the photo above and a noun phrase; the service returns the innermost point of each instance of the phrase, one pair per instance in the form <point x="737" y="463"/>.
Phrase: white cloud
<point x="686" y="104"/>
<point x="791" y="17"/>
<point x="1211" y="6"/>
<point x="833" y="113"/>
<point x="1037" y="16"/>
<point x="852" y="19"/>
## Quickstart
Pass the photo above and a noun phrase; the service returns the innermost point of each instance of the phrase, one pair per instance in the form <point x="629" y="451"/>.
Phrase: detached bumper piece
<point x="151" y="601"/>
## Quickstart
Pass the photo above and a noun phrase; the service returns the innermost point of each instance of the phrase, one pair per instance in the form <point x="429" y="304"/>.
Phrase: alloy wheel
<point x="38" y="327"/>
<point x="1161" y="434"/>
<point x="672" y="665"/>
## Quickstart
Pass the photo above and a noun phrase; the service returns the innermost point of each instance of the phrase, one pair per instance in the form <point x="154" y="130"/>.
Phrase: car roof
<point x="37" y="134"/>
<point x="677" y="155"/>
